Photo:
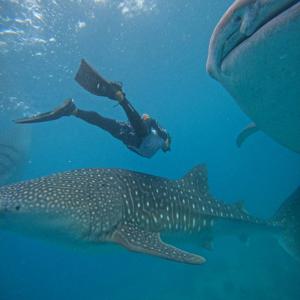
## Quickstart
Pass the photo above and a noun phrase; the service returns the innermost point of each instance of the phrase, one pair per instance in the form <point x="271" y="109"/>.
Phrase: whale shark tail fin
<point x="288" y="217"/>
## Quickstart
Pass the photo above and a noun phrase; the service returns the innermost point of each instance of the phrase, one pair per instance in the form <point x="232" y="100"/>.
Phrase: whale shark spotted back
<point x="90" y="206"/>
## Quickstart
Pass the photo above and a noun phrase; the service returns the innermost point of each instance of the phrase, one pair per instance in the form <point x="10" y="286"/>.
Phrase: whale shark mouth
<point x="237" y="38"/>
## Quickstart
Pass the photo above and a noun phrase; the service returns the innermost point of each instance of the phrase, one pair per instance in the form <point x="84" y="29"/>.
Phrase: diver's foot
<point x="68" y="108"/>
<point x="119" y="96"/>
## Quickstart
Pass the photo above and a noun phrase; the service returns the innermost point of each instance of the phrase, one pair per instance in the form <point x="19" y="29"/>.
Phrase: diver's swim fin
<point x="94" y="83"/>
<point x="66" y="109"/>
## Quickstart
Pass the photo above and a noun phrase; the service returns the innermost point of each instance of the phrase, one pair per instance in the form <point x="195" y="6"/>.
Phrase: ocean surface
<point x="158" y="50"/>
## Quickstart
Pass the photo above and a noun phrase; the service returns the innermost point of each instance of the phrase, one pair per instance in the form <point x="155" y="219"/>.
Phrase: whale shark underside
<point x="90" y="206"/>
<point x="254" y="53"/>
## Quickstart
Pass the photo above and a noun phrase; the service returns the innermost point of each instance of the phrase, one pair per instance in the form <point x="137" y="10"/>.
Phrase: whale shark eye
<point x="237" y="19"/>
<point x="18" y="207"/>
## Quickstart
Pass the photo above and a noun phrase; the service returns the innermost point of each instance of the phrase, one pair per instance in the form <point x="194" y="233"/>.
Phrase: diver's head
<point x="167" y="144"/>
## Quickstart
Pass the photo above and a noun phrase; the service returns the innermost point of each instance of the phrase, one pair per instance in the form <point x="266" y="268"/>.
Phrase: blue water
<point x="158" y="50"/>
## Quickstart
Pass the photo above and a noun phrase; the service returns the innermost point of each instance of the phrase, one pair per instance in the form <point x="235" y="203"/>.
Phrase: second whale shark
<point x="87" y="207"/>
<point x="254" y="53"/>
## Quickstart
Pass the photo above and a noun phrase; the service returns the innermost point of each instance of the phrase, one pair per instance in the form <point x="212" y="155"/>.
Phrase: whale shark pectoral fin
<point x="139" y="240"/>
<point x="245" y="133"/>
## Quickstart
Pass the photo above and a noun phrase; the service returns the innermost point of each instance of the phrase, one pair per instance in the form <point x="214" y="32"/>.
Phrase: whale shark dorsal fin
<point x="136" y="239"/>
<point x="197" y="179"/>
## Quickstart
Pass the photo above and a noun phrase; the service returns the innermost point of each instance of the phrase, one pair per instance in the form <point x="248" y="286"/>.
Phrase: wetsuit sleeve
<point x="134" y="118"/>
<point x="160" y="131"/>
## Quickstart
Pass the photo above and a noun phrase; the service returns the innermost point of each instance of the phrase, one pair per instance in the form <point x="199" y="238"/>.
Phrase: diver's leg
<point x="134" y="118"/>
<point x="91" y="117"/>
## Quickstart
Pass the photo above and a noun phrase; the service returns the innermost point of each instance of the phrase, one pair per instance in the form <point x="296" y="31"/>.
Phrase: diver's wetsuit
<point x="132" y="133"/>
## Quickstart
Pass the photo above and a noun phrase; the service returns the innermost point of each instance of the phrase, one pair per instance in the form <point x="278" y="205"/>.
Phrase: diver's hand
<point x="166" y="146"/>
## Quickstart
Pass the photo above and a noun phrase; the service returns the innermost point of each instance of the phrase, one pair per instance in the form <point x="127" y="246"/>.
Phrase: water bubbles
<point x="24" y="21"/>
<point x="101" y="2"/>
<point x="80" y="25"/>
<point x="21" y="23"/>
<point x="11" y="32"/>
<point x="38" y="15"/>
<point x="34" y="23"/>
<point x="130" y="8"/>
<point x="12" y="105"/>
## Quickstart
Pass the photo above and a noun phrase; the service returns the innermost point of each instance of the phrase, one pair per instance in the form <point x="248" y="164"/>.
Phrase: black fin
<point x="245" y="133"/>
<point x="94" y="83"/>
<point x="288" y="216"/>
<point x="65" y="109"/>
<point x="136" y="239"/>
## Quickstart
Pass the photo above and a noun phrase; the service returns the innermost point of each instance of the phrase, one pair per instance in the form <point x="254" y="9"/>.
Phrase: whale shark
<point x="254" y="52"/>
<point x="138" y="211"/>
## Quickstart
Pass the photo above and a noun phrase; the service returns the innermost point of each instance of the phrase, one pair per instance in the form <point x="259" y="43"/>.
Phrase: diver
<point x="141" y="134"/>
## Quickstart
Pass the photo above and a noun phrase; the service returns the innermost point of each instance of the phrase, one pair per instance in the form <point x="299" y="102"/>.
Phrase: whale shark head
<point x="241" y="21"/>
<point x="73" y="205"/>
<point x="254" y="54"/>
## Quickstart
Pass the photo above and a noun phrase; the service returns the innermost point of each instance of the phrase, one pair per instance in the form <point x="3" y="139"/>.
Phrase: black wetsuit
<point x="131" y="133"/>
